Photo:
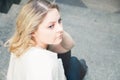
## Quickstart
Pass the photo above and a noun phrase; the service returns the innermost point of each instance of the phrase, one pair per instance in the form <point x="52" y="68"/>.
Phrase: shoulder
<point x="41" y="64"/>
<point x="39" y="52"/>
<point x="35" y="55"/>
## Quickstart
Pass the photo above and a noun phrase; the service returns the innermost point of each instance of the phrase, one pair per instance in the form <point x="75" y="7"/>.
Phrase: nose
<point x="59" y="28"/>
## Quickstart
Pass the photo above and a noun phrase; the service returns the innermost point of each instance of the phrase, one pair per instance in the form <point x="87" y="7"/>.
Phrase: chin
<point x="57" y="41"/>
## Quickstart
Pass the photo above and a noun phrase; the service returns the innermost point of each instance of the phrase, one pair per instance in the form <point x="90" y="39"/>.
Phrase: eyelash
<point x="60" y="20"/>
<point x="52" y="26"/>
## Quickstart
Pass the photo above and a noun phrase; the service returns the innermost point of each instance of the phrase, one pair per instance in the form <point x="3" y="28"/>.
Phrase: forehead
<point x="52" y="16"/>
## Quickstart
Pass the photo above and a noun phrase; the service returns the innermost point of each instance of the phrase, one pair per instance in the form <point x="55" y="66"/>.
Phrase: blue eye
<point x="60" y="20"/>
<point x="52" y="26"/>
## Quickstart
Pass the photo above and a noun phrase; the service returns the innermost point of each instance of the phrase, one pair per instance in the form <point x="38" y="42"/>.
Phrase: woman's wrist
<point x="66" y="44"/>
<point x="67" y="41"/>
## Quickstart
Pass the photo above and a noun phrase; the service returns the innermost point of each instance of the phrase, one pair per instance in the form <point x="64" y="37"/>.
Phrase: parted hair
<point x="29" y="18"/>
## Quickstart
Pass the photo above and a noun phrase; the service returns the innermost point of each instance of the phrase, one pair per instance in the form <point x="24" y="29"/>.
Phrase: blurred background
<point x="93" y="24"/>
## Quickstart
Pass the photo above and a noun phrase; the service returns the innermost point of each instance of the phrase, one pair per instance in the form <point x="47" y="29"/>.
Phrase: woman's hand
<point x="66" y="44"/>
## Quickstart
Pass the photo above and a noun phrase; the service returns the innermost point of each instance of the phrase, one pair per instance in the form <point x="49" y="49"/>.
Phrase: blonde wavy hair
<point x="30" y="16"/>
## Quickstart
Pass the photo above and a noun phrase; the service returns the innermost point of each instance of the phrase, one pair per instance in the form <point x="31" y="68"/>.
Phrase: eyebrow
<point x="55" y="21"/>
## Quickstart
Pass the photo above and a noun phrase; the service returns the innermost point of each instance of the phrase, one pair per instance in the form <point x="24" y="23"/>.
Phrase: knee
<point x="74" y="59"/>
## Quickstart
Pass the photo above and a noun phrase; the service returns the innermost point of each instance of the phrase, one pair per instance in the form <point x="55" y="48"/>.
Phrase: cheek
<point x="48" y="37"/>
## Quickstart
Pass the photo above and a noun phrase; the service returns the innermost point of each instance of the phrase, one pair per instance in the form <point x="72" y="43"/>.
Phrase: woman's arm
<point x="66" y="44"/>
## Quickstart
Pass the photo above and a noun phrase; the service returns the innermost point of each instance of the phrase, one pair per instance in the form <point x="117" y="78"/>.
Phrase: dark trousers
<point x="74" y="69"/>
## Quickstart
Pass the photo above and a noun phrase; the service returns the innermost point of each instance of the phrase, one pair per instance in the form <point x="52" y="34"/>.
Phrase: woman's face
<point x="50" y="31"/>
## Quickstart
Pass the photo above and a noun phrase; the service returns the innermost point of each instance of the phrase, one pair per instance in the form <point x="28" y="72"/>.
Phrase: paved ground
<point x="96" y="34"/>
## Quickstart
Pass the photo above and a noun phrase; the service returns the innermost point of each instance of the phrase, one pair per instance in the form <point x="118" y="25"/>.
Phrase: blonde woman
<point x="38" y="29"/>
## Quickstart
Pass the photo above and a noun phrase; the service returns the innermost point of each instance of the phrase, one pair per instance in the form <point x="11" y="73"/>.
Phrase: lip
<point x="60" y="36"/>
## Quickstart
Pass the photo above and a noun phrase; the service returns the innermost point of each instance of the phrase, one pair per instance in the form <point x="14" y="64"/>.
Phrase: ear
<point x="33" y="34"/>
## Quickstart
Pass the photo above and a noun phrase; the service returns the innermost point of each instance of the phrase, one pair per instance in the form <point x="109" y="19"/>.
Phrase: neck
<point x="44" y="46"/>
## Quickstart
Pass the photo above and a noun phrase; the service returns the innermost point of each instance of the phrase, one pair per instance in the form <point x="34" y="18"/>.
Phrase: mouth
<point x="60" y="36"/>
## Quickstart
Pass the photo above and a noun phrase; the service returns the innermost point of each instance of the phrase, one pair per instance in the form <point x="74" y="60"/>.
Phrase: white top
<point x="36" y="64"/>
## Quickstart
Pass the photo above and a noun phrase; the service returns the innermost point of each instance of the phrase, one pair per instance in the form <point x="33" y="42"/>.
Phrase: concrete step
<point x="13" y="12"/>
<point x="97" y="38"/>
<point x="78" y="3"/>
<point x="105" y="5"/>
<point x="1" y="14"/>
<point x="23" y="2"/>
<point x="9" y="19"/>
<point x="7" y="23"/>
<point x="94" y="16"/>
